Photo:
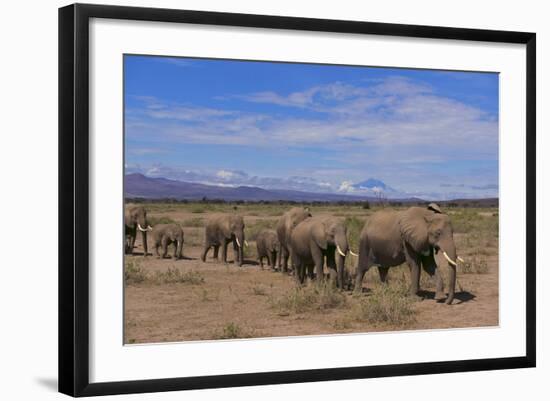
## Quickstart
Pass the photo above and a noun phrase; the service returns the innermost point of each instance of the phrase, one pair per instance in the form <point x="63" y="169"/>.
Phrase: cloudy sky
<point x="432" y="134"/>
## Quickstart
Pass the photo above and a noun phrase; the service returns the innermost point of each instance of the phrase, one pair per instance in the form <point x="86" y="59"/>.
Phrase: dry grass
<point x="134" y="273"/>
<point x="388" y="305"/>
<point x="233" y="330"/>
<point x="176" y="276"/>
<point x="314" y="297"/>
<point x="475" y="265"/>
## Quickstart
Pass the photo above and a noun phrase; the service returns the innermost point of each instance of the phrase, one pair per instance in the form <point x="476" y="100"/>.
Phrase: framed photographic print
<point x="290" y="198"/>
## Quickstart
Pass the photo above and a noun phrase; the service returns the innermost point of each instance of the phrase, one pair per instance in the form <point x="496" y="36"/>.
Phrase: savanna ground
<point x="179" y="300"/>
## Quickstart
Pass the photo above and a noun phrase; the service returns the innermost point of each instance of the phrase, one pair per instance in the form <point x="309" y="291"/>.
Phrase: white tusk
<point x="449" y="259"/>
<point x="149" y="228"/>
<point x="246" y="243"/>
<point x="340" y="251"/>
<point x="238" y="243"/>
<point x="460" y="259"/>
<point x="140" y="228"/>
<point x="353" y="253"/>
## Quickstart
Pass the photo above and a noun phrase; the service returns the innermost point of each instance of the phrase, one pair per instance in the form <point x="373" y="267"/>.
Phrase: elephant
<point x="135" y="219"/>
<point x="221" y="229"/>
<point x="268" y="246"/>
<point x="314" y="239"/>
<point x="166" y="234"/>
<point x="285" y="225"/>
<point x="390" y="238"/>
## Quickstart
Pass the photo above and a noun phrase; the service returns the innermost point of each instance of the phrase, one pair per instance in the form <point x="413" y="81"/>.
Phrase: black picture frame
<point x="74" y="200"/>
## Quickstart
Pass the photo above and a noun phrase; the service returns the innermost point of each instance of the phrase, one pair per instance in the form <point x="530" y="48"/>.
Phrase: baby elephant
<point x="268" y="246"/>
<point x="166" y="234"/>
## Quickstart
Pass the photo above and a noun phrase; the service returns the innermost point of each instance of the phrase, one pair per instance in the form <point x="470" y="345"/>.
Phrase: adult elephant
<point x="314" y="239"/>
<point x="390" y="238"/>
<point x="135" y="219"/>
<point x="220" y="230"/>
<point x="288" y="221"/>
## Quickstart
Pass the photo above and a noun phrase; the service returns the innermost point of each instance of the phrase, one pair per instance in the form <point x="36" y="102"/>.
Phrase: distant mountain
<point x="373" y="185"/>
<point x="140" y="186"/>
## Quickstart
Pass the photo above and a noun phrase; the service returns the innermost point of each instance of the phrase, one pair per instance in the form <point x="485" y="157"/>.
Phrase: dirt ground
<point x="214" y="300"/>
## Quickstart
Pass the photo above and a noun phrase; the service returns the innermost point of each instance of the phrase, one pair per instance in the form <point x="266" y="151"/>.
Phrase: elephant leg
<point x="224" y="250"/>
<point x="279" y="258"/>
<point x="175" y="243"/>
<point x="156" y="248"/>
<point x="414" y="265"/>
<point x="383" y="273"/>
<point x="268" y="257"/>
<point x="318" y="260"/>
<point x="132" y="243"/>
<point x="205" y="251"/>
<point x="216" y="250"/>
<point x="285" y="260"/>
<point x="273" y="260"/>
<point x="359" y="274"/>
<point x="261" y="260"/>
<point x="430" y="267"/>
<point x="331" y="264"/>
<point x="310" y="272"/>
<point x="164" y="244"/>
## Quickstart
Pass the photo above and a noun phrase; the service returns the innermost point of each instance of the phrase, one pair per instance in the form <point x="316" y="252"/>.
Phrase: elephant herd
<point x="389" y="238"/>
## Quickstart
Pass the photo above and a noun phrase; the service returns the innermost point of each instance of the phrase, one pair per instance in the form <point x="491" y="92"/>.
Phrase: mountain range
<point x="137" y="185"/>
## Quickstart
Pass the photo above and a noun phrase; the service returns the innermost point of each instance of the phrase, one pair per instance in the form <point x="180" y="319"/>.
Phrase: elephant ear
<point x="414" y="229"/>
<point x="319" y="235"/>
<point x="129" y="217"/>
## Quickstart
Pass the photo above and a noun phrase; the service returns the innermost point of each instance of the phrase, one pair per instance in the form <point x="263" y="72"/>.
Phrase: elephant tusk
<point x="238" y="243"/>
<point x="353" y="253"/>
<point x="140" y="228"/>
<point x="449" y="259"/>
<point x="460" y="259"/>
<point x="340" y="251"/>
<point x="246" y="243"/>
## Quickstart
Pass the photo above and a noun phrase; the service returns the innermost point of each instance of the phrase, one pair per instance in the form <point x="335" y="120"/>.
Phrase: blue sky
<point x="323" y="128"/>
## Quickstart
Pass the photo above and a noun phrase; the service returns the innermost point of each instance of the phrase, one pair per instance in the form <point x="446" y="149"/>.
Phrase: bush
<point x="317" y="296"/>
<point x="387" y="305"/>
<point x="176" y="276"/>
<point x="134" y="273"/>
<point x="232" y="330"/>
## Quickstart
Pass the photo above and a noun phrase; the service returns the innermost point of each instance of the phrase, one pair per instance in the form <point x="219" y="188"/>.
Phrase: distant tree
<point x="366" y="205"/>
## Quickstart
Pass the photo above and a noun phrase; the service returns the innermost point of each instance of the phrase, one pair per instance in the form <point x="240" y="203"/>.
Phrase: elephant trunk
<point x="144" y="238"/>
<point x="239" y="237"/>
<point x="342" y="249"/>
<point x="449" y="252"/>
